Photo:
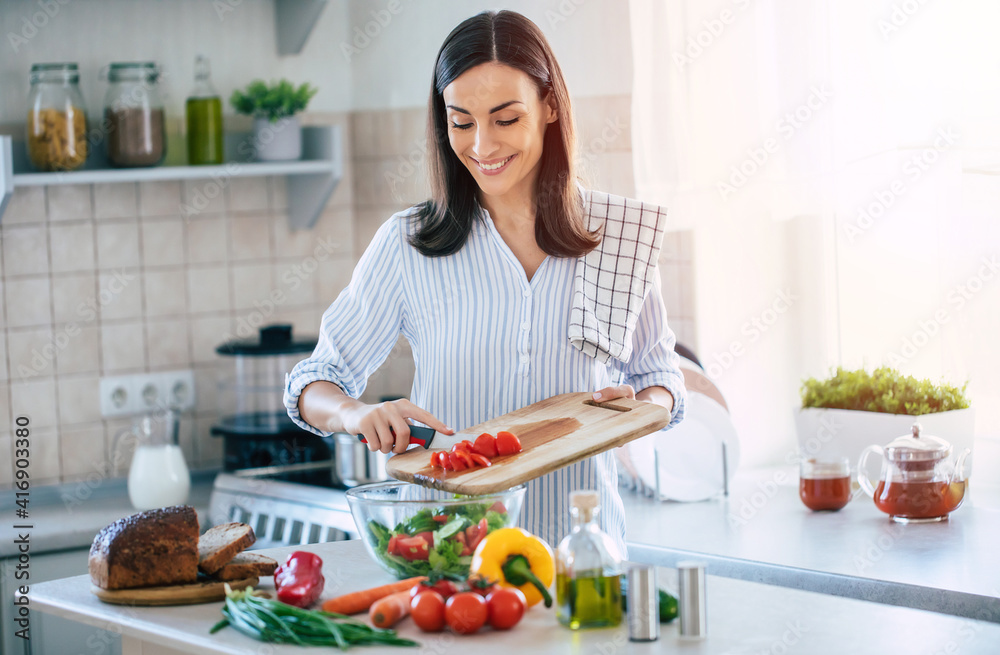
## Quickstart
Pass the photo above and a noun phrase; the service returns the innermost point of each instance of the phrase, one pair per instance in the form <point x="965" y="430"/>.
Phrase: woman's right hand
<point x="384" y="425"/>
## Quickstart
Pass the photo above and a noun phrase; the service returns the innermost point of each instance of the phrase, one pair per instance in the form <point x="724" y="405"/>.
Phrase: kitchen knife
<point x="426" y="436"/>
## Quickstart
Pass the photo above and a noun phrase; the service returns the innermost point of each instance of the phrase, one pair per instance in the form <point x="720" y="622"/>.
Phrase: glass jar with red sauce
<point x="825" y="485"/>
<point x="920" y="482"/>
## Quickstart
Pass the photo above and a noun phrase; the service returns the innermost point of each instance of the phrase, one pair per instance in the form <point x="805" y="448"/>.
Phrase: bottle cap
<point x="643" y="604"/>
<point x="586" y="502"/>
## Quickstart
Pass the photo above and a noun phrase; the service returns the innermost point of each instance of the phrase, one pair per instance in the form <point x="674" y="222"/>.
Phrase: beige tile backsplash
<point x="109" y="279"/>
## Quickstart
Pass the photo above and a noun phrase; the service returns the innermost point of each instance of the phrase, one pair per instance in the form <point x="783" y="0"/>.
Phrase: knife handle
<point x="418" y="434"/>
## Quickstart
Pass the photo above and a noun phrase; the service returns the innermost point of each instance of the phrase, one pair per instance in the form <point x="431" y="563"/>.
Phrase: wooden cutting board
<point x="180" y="594"/>
<point x="554" y="433"/>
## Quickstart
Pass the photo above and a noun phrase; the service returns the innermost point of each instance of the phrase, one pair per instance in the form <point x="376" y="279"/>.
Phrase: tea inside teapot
<point x="919" y="481"/>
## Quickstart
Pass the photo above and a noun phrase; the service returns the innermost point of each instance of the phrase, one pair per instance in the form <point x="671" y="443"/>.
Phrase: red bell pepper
<point x="299" y="580"/>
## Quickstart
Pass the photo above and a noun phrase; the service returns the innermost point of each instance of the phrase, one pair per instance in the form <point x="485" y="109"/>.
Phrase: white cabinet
<point x="52" y="635"/>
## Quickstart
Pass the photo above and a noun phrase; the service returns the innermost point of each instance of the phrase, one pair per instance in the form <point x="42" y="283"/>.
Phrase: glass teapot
<point x="158" y="476"/>
<point x="919" y="482"/>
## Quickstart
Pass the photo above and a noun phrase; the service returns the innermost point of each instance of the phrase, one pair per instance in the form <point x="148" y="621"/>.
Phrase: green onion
<point x="273" y="621"/>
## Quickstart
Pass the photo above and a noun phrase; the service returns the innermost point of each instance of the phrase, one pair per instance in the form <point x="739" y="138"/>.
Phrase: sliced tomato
<point x="498" y="507"/>
<point x="428" y="537"/>
<point x="436" y="460"/>
<point x="464" y="457"/>
<point x="507" y="443"/>
<point x="464" y="444"/>
<point x="393" y="547"/>
<point x="479" y="534"/>
<point x="458" y="462"/>
<point x="446" y="462"/>
<point x="480" y="460"/>
<point x="413" y="548"/>
<point x="440" y="518"/>
<point x="486" y="445"/>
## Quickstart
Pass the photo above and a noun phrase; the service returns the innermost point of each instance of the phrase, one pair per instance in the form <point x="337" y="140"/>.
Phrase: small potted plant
<point x="843" y="414"/>
<point x="277" y="134"/>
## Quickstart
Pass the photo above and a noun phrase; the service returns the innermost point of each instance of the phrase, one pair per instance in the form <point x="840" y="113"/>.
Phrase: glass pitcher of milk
<point x="158" y="476"/>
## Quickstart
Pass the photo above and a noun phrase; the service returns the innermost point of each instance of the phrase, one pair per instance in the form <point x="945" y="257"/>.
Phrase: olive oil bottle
<point x="588" y="569"/>
<point x="204" y="118"/>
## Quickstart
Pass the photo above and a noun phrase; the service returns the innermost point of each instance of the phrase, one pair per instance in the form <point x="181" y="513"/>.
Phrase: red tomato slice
<point x="428" y="537"/>
<point x="393" y="547"/>
<point x="464" y="457"/>
<point x="507" y="443"/>
<point x="459" y="461"/>
<point x="486" y="445"/>
<point x="464" y="444"/>
<point x="446" y="462"/>
<point x="498" y="507"/>
<point x="413" y="548"/>
<point x="479" y="460"/>
<point x="440" y="518"/>
<point x="480" y="533"/>
<point x="436" y="461"/>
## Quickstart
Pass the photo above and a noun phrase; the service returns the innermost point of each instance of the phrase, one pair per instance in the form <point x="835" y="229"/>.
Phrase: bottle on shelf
<point x="204" y="118"/>
<point x="588" y="569"/>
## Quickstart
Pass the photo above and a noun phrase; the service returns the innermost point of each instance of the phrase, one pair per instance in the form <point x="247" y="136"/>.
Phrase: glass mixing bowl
<point x="411" y="530"/>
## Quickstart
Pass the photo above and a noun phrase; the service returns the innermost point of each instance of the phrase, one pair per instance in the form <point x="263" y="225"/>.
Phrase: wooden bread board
<point x="181" y="594"/>
<point x="554" y="433"/>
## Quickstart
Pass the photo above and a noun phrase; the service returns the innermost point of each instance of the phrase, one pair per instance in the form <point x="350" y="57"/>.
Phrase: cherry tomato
<point x="428" y="610"/>
<point x="486" y="445"/>
<point x="464" y="457"/>
<point x="480" y="585"/>
<point x="446" y="588"/>
<point x="465" y="612"/>
<point x="507" y="443"/>
<point x="506" y="607"/>
<point x="480" y="460"/>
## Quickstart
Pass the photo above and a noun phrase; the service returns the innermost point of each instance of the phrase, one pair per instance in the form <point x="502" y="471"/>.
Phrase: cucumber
<point x="668" y="604"/>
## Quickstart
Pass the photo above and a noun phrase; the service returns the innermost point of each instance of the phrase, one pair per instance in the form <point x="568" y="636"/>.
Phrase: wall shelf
<point x="310" y="180"/>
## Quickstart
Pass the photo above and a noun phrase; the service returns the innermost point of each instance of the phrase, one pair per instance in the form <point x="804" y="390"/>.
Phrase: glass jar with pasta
<point x="57" y="121"/>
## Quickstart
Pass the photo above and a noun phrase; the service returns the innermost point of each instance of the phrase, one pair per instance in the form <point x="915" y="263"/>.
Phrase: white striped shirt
<point x="485" y="341"/>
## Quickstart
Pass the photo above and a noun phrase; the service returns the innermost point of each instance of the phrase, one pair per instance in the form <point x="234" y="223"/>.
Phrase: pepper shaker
<point x="643" y="604"/>
<point x="693" y="601"/>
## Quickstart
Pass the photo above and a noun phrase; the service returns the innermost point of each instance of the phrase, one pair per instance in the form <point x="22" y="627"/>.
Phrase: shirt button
<point x="526" y="293"/>
<point x="524" y="359"/>
<point x="525" y="326"/>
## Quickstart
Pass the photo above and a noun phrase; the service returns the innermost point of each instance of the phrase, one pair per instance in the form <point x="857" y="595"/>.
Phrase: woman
<point x="479" y="278"/>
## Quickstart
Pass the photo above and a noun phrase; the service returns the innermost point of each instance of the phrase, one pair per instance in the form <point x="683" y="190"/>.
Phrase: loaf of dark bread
<point x="148" y="549"/>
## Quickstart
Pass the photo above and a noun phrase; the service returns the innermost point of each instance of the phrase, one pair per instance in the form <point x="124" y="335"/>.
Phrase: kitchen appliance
<point x="158" y="475"/>
<point x="255" y="427"/>
<point x="281" y="513"/>
<point x="554" y="433"/>
<point x="919" y="481"/>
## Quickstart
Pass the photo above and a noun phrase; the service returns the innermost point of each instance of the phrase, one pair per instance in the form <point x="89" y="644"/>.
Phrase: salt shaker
<point x="692" y="601"/>
<point x="643" y="604"/>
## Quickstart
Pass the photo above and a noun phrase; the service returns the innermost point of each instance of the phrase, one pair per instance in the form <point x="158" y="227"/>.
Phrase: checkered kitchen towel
<point x="610" y="282"/>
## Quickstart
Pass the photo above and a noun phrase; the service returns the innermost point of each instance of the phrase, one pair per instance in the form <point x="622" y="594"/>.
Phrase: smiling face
<point x="496" y="127"/>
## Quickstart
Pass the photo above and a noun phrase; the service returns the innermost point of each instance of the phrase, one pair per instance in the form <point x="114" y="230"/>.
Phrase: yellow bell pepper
<point x="517" y="558"/>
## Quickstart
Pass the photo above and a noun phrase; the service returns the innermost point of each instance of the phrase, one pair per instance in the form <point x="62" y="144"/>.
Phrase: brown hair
<point x="444" y="222"/>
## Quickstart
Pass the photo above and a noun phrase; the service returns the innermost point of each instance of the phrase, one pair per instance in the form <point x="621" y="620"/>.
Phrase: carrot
<point x="390" y="610"/>
<point x="359" y="601"/>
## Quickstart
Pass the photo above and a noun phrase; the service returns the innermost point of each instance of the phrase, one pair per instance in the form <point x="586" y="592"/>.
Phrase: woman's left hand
<point x="610" y="393"/>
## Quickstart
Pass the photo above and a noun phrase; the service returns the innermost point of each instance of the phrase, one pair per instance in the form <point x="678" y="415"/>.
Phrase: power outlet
<point x="136" y="394"/>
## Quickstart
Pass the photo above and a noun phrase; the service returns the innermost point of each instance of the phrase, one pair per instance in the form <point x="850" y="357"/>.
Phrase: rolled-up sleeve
<point x="654" y="362"/>
<point x="360" y="328"/>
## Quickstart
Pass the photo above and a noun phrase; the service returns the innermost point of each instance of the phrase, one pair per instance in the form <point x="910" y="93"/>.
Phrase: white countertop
<point x="744" y="617"/>
<point x="763" y="532"/>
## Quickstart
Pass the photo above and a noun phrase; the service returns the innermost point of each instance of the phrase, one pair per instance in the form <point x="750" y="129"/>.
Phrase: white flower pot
<point x="830" y="433"/>
<point x="279" y="141"/>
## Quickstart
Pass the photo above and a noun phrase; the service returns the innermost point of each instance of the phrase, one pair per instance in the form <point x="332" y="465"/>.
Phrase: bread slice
<point x="221" y="544"/>
<point x="246" y="565"/>
<point x="148" y="549"/>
